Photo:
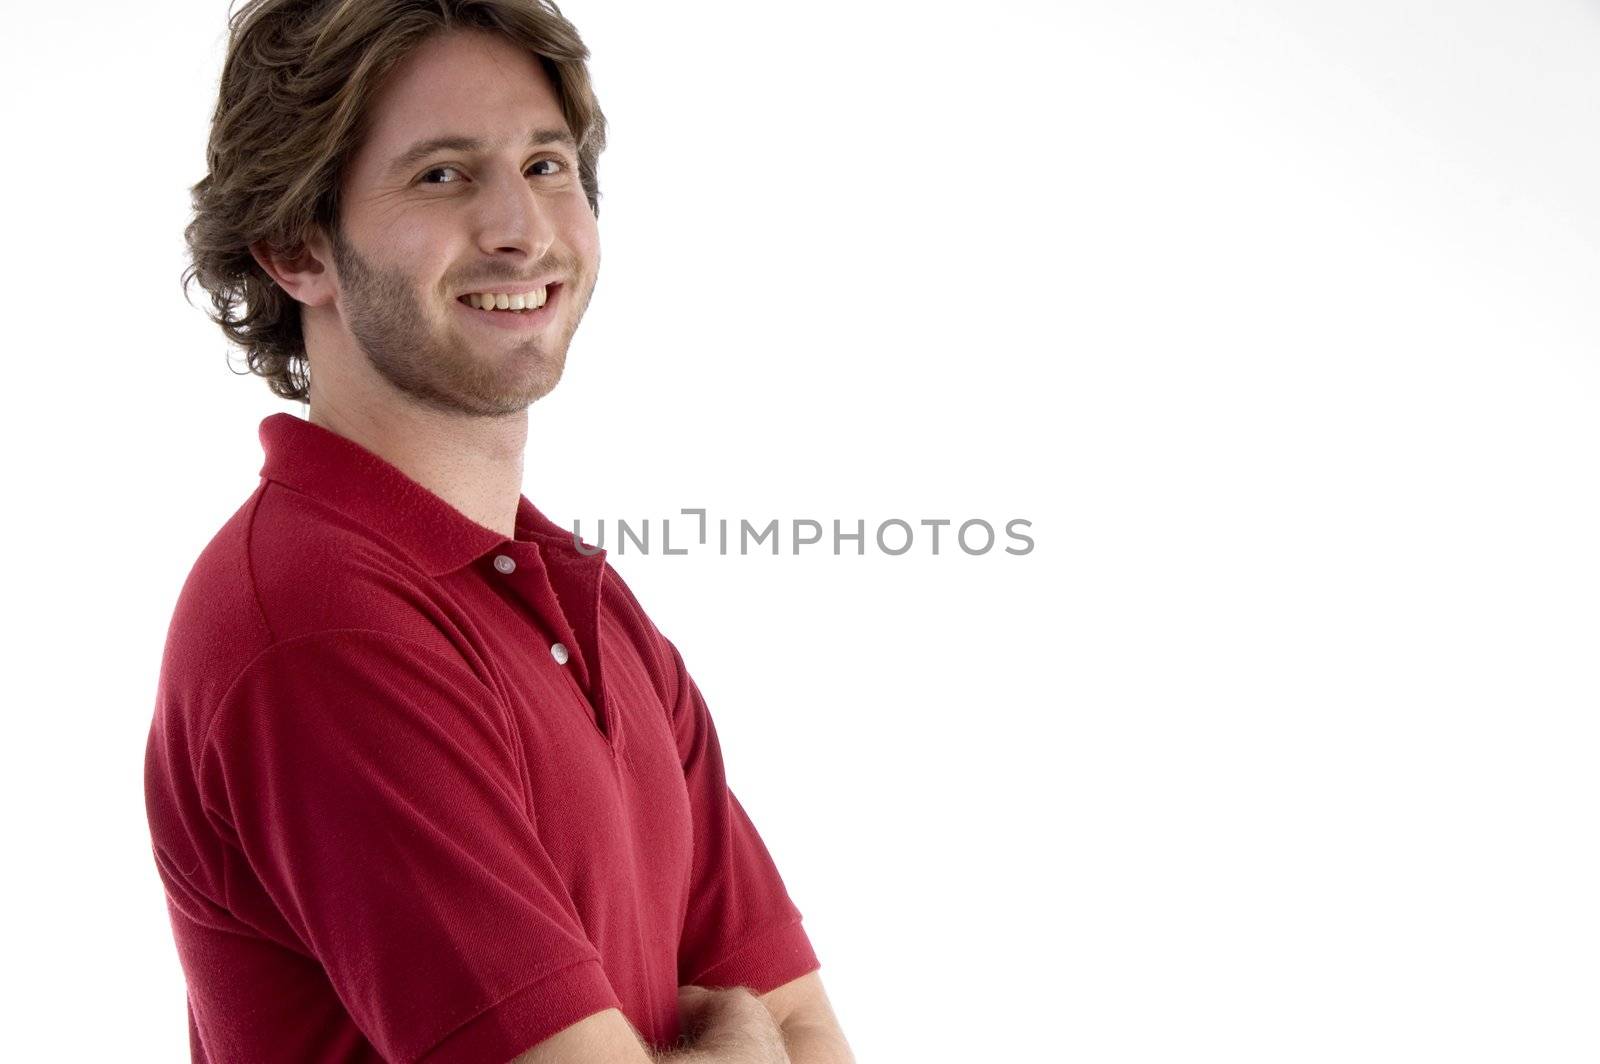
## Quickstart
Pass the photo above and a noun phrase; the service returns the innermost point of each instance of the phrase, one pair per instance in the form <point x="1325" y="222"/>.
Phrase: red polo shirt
<point x="420" y="792"/>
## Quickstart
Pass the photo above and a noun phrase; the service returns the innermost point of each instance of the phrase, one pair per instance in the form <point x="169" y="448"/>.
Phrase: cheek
<point x="417" y="246"/>
<point x="582" y="233"/>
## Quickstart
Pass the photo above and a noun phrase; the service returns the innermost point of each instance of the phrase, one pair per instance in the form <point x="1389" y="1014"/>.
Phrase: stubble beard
<point x="434" y="364"/>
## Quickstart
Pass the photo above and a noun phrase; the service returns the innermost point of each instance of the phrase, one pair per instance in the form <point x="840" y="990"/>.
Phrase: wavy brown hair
<point x="293" y="108"/>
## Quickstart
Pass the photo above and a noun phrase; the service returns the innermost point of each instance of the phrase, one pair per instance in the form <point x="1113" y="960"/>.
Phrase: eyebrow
<point x="459" y="142"/>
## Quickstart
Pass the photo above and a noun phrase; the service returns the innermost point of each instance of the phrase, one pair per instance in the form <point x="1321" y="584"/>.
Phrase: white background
<point x="1276" y="319"/>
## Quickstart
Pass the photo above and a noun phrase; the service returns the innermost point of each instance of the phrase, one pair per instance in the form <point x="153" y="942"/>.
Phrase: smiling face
<point x="467" y="183"/>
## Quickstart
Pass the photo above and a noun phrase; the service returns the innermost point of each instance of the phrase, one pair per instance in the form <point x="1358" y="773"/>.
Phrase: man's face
<point x="418" y="234"/>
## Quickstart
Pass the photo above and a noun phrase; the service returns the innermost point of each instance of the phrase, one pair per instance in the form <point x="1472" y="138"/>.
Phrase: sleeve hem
<point x="764" y="962"/>
<point x="528" y="1016"/>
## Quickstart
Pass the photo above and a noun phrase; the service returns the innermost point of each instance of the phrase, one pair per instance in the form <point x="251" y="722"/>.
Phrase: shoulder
<point x="290" y="607"/>
<point x="622" y="605"/>
<point x="312" y="568"/>
<point x="282" y="568"/>
<point x="659" y="654"/>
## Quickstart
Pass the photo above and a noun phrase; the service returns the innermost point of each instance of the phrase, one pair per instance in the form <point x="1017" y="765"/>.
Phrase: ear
<point x="307" y="274"/>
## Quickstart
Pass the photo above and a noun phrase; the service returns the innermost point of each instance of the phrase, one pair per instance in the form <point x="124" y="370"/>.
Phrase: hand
<point x="731" y="1021"/>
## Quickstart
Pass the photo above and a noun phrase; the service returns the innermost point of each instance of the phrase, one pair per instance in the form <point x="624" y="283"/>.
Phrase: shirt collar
<point x="340" y="473"/>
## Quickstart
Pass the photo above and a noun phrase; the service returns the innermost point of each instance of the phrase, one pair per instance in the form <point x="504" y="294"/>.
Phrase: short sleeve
<point x="741" y="927"/>
<point x="370" y="783"/>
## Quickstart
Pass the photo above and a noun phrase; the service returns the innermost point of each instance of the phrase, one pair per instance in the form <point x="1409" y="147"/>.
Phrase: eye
<point x="437" y="170"/>
<point x="560" y="163"/>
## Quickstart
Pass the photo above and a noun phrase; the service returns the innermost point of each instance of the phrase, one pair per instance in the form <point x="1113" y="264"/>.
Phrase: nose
<point x="515" y="219"/>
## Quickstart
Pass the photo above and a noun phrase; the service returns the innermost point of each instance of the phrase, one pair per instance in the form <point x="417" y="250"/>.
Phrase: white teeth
<point x="502" y="301"/>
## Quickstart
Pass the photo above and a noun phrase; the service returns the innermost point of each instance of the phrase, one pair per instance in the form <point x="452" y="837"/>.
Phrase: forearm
<point x="803" y="1043"/>
<point x="809" y="1043"/>
<point x="723" y="1049"/>
<point x="706" y="1055"/>
<point x="737" y="1029"/>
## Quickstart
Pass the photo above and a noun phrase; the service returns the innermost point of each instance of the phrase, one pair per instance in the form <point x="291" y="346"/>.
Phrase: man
<point x="424" y="781"/>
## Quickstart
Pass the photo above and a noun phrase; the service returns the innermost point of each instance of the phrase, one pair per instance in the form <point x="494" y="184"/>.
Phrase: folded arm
<point x="810" y="1029"/>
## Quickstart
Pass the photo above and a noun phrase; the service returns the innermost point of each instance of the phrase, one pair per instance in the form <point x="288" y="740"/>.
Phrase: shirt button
<point x="505" y="563"/>
<point x="559" y="652"/>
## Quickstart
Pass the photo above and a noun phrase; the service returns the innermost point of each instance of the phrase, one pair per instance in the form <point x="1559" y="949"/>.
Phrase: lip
<point x="519" y="288"/>
<point x="526" y="321"/>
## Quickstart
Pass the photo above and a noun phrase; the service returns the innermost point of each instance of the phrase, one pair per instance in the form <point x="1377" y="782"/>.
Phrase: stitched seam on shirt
<point x="750" y="943"/>
<point x="389" y="544"/>
<point x="250" y="564"/>
<point x="227" y="695"/>
<point x="222" y="703"/>
<point x="658" y="643"/>
<point x="481" y="1010"/>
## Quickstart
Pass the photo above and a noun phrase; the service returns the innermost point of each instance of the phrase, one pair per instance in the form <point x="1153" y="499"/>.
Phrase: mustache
<point x="555" y="271"/>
